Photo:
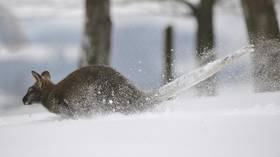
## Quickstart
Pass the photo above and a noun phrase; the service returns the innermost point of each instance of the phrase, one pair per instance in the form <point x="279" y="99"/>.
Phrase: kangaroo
<point x="101" y="89"/>
<point x="98" y="89"/>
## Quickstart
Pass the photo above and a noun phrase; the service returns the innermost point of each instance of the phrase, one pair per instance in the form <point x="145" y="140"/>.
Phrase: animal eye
<point x="30" y="90"/>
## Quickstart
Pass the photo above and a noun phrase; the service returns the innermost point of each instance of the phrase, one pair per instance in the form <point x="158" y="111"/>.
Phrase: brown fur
<point x="92" y="89"/>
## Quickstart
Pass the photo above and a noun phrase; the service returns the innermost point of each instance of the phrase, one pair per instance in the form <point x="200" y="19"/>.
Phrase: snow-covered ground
<point x="237" y="125"/>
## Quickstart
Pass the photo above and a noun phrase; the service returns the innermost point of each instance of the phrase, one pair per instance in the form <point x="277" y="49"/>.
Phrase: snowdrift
<point x="236" y="125"/>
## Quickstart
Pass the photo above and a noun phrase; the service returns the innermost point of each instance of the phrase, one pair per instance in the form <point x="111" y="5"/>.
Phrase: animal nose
<point x="24" y="100"/>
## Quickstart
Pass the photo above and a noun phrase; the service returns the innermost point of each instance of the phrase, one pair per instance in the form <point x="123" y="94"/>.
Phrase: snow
<point x="192" y="78"/>
<point x="242" y="124"/>
<point x="236" y="123"/>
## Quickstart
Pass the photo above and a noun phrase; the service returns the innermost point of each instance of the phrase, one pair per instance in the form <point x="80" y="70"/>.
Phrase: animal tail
<point x="192" y="78"/>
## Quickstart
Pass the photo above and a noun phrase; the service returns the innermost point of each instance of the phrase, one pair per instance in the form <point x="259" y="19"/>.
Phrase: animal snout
<point x="24" y="100"/>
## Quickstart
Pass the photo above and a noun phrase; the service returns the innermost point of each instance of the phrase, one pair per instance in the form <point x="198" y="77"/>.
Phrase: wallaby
<point x="101" y="89"/>
<point x="98" y="89"/>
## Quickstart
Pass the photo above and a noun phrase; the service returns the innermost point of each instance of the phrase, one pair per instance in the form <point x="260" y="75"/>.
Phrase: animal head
<point x="35" y="92"/>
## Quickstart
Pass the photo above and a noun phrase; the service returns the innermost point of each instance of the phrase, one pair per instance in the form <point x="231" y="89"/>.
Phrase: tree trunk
<point x="263" y="32"/>
<point x="96" y="43"/>
<point x="168" y="70"/>
<point x="205" y="44"/>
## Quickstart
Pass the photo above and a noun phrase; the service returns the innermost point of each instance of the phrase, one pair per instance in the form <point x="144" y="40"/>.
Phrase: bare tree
<point x="96" y="43"/>
<point x="263" y="32"/>
<point x="169" y="55"/>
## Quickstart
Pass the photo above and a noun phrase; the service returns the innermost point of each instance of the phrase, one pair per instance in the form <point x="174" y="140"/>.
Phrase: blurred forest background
<point x="149" y="41"/>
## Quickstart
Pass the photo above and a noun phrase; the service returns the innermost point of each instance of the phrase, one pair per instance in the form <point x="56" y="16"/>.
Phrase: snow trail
<point x="192" y="78"/>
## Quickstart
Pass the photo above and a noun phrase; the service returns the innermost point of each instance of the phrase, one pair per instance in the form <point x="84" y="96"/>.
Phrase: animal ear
<point x="37" y="77"/>
<point x="46" y="75"/>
